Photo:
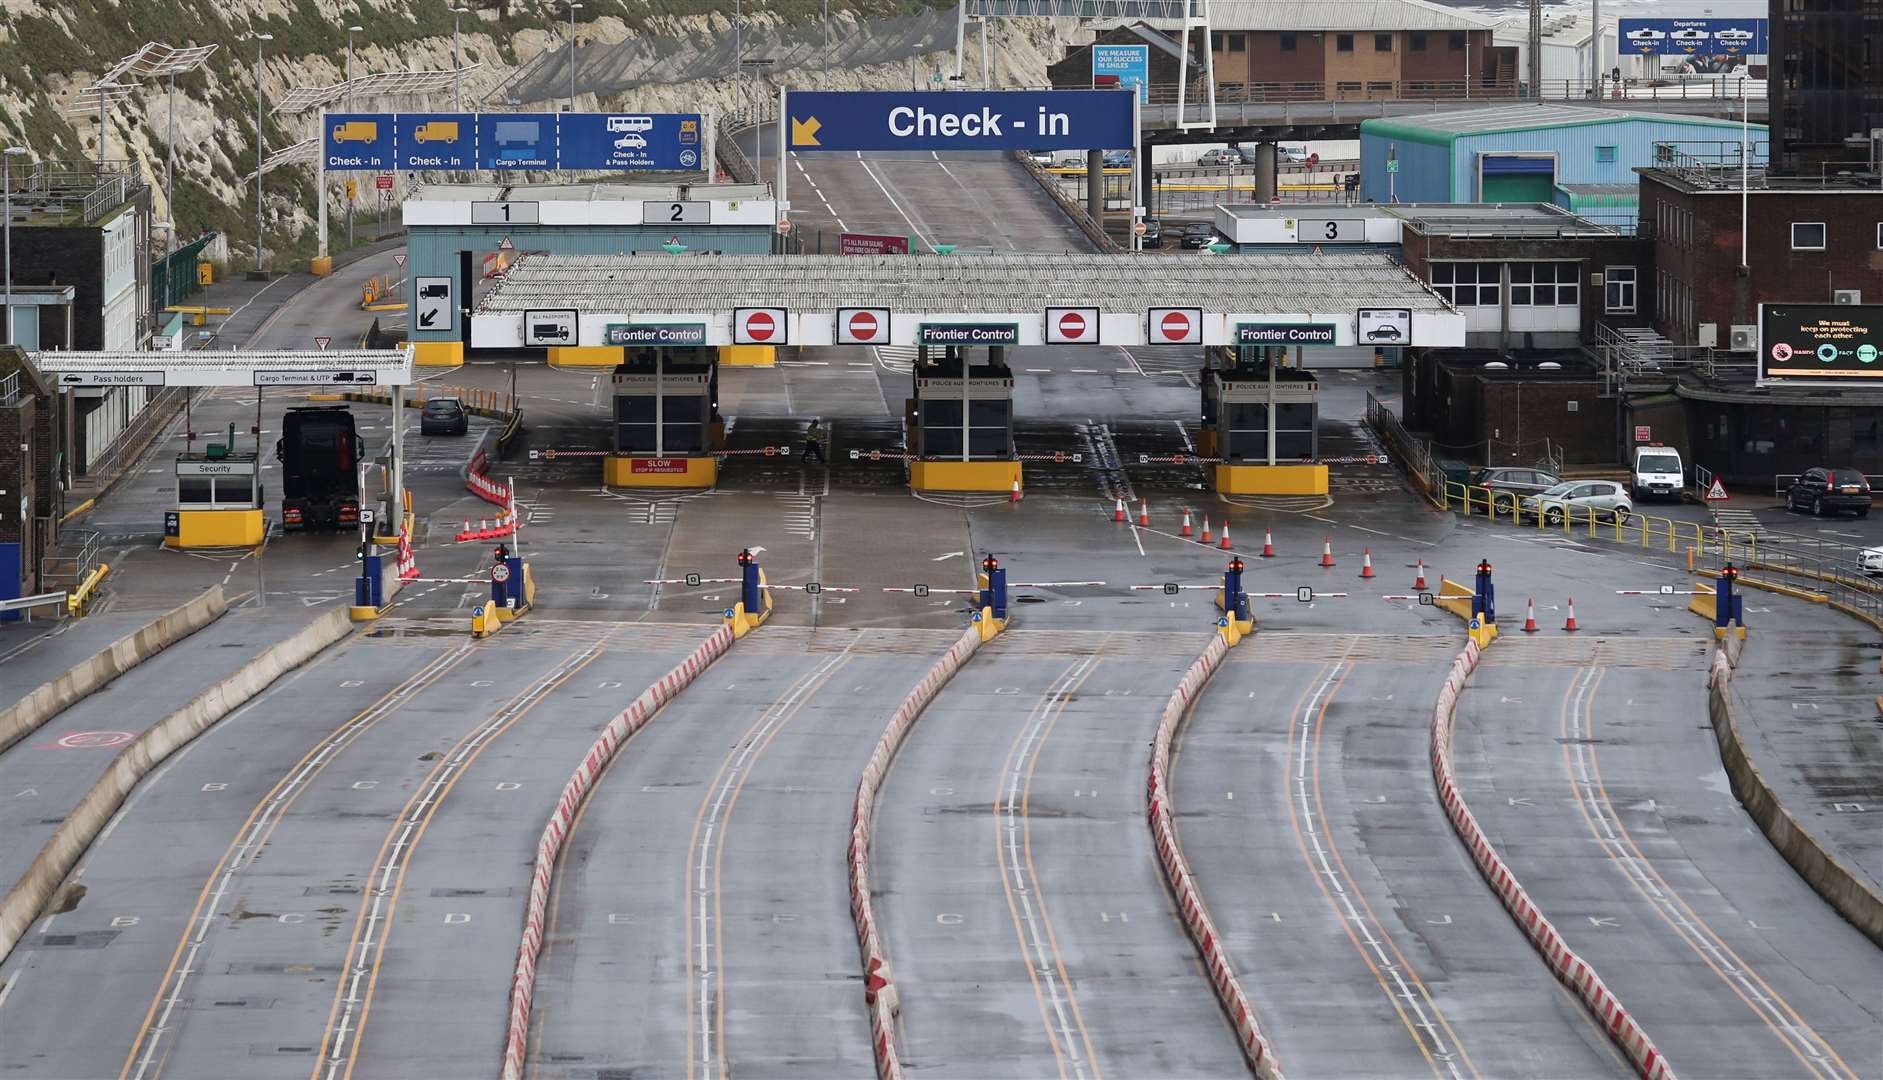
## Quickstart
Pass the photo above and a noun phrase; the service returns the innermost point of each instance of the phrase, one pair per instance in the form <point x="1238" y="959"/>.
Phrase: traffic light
<point x="745" y="556"/>
<point x="1235" y="565"/>
<point x="359" y="553"/>
<point x="990" y="564"/>
<point x="1484" y="567"/>
<point x="1729" y="572"/>
<point x="503" y="553"/>
<point x="353" y="189"/>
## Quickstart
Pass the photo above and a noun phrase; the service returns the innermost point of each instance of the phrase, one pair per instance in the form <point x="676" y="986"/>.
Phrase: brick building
<point x="1074" y="70"/>
<point x="1826" y="83"/>
<point x="1489" y="408"/>
<point x="1293" y="50"/>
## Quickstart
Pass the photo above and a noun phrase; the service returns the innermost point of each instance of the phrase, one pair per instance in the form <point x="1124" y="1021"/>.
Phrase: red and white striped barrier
<point x="408" y="560"/>
<point x="630" y="720"/>
<point x="1196" y="917"/>
<point x="1571" y="969"/>
<point x="879" y="989"/>
<point x="490" y="491"/>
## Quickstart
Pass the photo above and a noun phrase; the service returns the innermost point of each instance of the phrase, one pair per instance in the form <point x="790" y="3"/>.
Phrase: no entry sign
<point x="759" y="326"/>
<point x="862" y="326"/>
<point x="1176" y="326"/>
<point x="1072" y="326"/>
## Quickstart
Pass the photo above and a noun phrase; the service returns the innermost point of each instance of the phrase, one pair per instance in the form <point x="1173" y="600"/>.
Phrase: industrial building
<point x="1827" y="80"/>
<point x="1290" y="50"/>
<point x="1529" y="153"/>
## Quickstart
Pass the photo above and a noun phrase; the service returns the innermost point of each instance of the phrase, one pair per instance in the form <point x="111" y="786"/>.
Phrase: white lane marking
<point x="1013" y="829"/>
<point x="880" y="186"/>
<point x="6" y="988"/>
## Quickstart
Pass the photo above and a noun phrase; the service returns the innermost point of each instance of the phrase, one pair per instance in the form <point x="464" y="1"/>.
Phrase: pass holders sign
<point x="958" y="120"/>
<point x="967" y="333"/>
<point x="760" y="326"/>
<point x="862" y="326"/>
<point x="1071" y="326"/>
<point x="1124" y="66"/>
<point x="1277" y="332"/>
<point x="111" y="378"/>
<point x="516" y="141"/>
<point x="434" y="141"/>
<point x="1821" y="343"/>
<point x="654" y="334"/>
<point x="358" y="141"/>
<point x="1383" y="326"/>
<point x="629" y="141"/>
<point x="549" y="328"/>
<point x="1174" y="326"/>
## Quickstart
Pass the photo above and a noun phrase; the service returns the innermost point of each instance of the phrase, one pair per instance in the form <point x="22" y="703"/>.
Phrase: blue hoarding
<point x="1129" y="64"/>
<point x="959" y="120"/>
<point x="516" y="141"/>
<point x="630" y="141"/>
<point x="358" y="141"/>
<point x="1694" y="37"/>
<point x="435" y="140"/>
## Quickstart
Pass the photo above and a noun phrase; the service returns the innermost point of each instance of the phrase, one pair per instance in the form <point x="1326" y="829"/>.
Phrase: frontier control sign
<point x="654" y="334"/>
<point x="1277" y="333"/>
<point x="960" y="120"/>
<point x="967" y="333"/>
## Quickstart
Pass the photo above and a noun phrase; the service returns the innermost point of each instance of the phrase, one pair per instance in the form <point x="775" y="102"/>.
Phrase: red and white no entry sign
<point x="1176" y="326"/>
<point x="1071" y="326"/>
<point x="758" y="326"/>
<point x="862" y="326"/>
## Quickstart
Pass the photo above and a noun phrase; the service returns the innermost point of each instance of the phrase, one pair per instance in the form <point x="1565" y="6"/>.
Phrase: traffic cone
<point x="1187" y="530"/>
<point x="1366" y="566"/>
<point x="1225" y="543"/>
<point x="1571" y="624"/>
<point x="1268" y="543"/>
<point x="1418" y="583"/>
<point x="1015" y="496"/>
<point x="1529" y="616"/>
<point x="1206" y="529"/>
<point x="1118" y="509"/>
<point x="1144" y="514"/>
<point x="1327" y="551"/>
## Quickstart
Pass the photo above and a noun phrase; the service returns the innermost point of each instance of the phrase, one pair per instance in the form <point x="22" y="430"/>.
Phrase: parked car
<point x="1291" y="155"/>
<point x="1213" y="158"/>
<point x="1153" y="233"/>
<point x="1577" y="498"/>
<point x="1657" y="472"/>
<point x="1043" y="158"/>
<point x="1830" y="490"/>
<point x="1870" y="561"/>
<point x="1117" y="159"/>
<point x="1197" y="234"/>
<point x="1516" y="481"/>
<point x="444" y="416"/>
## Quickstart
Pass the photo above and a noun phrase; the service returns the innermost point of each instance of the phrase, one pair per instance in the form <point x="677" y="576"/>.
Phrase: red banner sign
<point x="658" y="465"/>
<point x="872" y="244"/>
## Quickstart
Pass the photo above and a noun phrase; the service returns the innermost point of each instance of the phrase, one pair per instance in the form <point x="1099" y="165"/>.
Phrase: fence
<point x="72" y="562"/>
<point x="1415" y="454"/>
<point x="173" y="277"/>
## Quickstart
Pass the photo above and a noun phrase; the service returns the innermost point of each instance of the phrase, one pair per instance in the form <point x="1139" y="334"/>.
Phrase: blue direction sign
<point x="1130" y="65"/>
<point x="630" y="141"/>
<point x="959" y="120"/>
<point x="358" y="141"/>
<point x="436" y="140"/>
<point x="1695" y="37"/>
<point x="516" y="141"/>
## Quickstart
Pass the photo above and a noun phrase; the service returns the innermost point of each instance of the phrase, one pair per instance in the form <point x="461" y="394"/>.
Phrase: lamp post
<point x="260" y="39"/>
<point x="352" y="187"/>
<point x="6" y="181"/>
<point x="457" y="62"/>
<point x="572" y="10"/>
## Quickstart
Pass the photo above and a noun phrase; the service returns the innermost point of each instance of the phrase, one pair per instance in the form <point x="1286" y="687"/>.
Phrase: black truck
<point x="319" y="451"/>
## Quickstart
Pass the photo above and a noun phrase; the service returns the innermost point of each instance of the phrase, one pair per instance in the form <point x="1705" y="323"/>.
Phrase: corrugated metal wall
<point x="1424" y="170"/>
<point x="1576" y="149"/>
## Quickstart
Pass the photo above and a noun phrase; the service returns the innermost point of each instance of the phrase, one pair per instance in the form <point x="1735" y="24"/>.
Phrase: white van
<point x="1657" y="473"/>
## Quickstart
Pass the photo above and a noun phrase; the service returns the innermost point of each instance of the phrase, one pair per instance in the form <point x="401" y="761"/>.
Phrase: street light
<point x="457" y="61"/>
<point x="572" y="9"/>
<point x="352" y="187"/>
<point x="260" y="39"/>
<point x="351" y="30"/>
<point x="6" y="181"/>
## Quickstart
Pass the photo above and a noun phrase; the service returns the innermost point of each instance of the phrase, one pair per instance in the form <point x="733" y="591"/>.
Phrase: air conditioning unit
<point x="1846" y="296"/>
<point x="1709" y="335"/>
<point x="1745" y="339"/>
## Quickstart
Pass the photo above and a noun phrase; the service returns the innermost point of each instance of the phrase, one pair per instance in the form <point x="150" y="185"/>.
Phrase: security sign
<point x="759" y="326"/>
<point x="1175" y="326"/>
<point x="862" y="326"/>
<point x="1071" y="326"/>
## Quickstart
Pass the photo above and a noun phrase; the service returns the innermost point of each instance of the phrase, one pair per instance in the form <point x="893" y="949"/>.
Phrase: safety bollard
<point x="1484" y="597"/>
<point x="1728" y="605"/>
<point x="748" y="581"/>
<point x="1235" y="597"/>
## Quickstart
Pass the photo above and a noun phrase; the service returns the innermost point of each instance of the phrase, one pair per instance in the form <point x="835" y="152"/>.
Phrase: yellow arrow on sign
<point x="804" y="132"/>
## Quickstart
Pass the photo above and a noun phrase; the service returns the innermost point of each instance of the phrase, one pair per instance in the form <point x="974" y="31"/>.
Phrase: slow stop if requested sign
<point x="1176" y="326"/>
<point x="1072" y="326"/>
<point x="759" y="326"/>
<point x="862" y="326"/>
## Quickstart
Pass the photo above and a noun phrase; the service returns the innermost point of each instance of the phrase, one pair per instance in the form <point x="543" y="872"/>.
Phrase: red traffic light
<point x="1235" y="565"/>
<point x="503" y="553"/>
<point x="1729" y="571"/>
<point x="745" y="557"/>
<point x="1484" y="566"/>
<point x="990" y="563"/>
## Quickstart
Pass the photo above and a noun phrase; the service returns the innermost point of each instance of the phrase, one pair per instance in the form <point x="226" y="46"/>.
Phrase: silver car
<point x="1870" y="561"/>
<point x="1576" y="499"/>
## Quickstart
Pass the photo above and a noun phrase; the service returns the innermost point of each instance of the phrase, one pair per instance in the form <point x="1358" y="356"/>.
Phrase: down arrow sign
<point x="428" y="317"/>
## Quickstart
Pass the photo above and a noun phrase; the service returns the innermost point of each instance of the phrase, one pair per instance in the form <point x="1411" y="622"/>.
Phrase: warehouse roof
<point x="1498" y="220"/>
<point x="1356" y="15"/>
<point x="1536" y="116"/>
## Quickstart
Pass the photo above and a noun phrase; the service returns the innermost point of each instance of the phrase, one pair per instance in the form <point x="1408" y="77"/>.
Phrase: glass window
<point x="1457" y="40"/>
<point x="1343" y="42"/>
<point x="1382" y="43"/>
<point x="1618" y="290"/>
<point x="1287" y="43"/>
<point x="1216" y="42"/>
<point x="1522" y="283"/>
<point x="196" y="489"/>
<point x="1238" y="43"/>
<point x="1418" y="45"/>
<point x="1605" y="155"/>
<point x="1467" y="284"/>
<point x="1807" y="236"/>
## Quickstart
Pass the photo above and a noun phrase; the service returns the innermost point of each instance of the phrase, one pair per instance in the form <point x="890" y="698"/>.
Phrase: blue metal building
<point x="1527" y="152"/>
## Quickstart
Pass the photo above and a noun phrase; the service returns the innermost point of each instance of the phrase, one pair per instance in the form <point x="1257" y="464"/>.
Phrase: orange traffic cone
<point x="1206" y="529"/>
<point x="1571" y="624"/>
<point x="1118" y="509"/>
<point x="1144" y="514"/>
<point x="1268" y="543"/>
<point x="1015" y="496"/>
<point x="1418" y="583"/>
<point x="1225" y="543"/>
<point x="1187" y="530"/>
<point x="1366" y="566"/>
<point x="1529" y="616"/>
<point x="1327" y="551"/>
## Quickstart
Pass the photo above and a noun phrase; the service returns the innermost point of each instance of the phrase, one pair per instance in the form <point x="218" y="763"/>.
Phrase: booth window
<point x="1457" y="40"/>
<point x="1238" y="43"/>
<point x="1807" y="236"/>
<point x="1382" y="43"/>
<point x="1605" y="155"/>
<point x="196" y="489"/>
<point x="1544" y="284"/>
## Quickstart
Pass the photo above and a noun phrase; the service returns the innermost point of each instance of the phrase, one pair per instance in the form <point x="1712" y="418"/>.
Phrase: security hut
<point x="219" y="499"/>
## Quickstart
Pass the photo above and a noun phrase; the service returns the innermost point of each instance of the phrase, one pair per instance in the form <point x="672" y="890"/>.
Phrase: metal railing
<point x="10" y="390"/>
<point x="1415" y="454"/>
<point x="78" y="554"/>
<point x="1674" y="88"/>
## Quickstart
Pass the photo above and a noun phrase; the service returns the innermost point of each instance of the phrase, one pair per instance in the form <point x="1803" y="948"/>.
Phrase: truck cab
<point x="1658" y="473"/>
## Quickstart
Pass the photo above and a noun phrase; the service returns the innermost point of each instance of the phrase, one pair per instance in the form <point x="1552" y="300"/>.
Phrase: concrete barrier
<point x="1170" y="859"/>
<point x="1841" y="887"/>
<point x="32" y="711"/>
<point x="549" y="847"/>
<point x="23" y="903"/>
<point x="879" y="989"/>
<point x="1572" y="970"/>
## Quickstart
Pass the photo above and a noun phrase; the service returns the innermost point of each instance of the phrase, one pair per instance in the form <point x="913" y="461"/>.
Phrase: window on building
<point x="1457" y="40"/>
<point x="1807" y="236"/>
<point x="1216" y="41"/>
<point x="1343" y="42"/>
<point x="1467" y="284"/>
<point x="1605" y="155"/>
<point x="1417" y="43"/>
<point x="1544" y="284"/>
<point x="1618" y="290"/>
<point x="1382" y="43"/>
<point x="1287" y="43"/>
<point x="1238" y="43"/>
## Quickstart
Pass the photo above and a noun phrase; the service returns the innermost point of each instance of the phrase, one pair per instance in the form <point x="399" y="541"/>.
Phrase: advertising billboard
<point x="1124" y="65"/>
<point x="1822" y="344"/>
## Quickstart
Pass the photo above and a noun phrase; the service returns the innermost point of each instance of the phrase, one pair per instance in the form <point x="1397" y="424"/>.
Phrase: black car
<point x="1153" y="233"/>
<point x="1198" y="234"/>
<point x="1833" y="491"/>
<point x="444" y="416"/>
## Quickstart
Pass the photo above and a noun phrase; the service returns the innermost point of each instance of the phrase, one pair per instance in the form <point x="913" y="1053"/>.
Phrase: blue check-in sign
<point x="630" y="141"/>
<point x="959" y="120"/>
<point x="436" y="140"/>
<point x="358" y="141"/>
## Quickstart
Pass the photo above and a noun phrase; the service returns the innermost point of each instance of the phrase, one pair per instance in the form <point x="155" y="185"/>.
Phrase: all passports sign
<point x="960" y="120"/>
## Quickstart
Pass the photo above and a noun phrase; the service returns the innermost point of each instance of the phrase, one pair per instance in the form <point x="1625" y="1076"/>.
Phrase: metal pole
<point x="1271" y="405"/>
<point x="321" y="189"/>
<point x="709" y="150"/>
<point x="457" y="64"/>
<point x="1595" y="48"/>
<point x="826" y="35"/>
<point x="169" y="173"/>
<point x="259" y="39"/>
<point x="572" y="8"/>
<point x="104" y="96"/>
<point x="966" y="408"/>
<point x="1137" y="168"/>
<point x="1745" y="171"/>
<point x="660" y="404"/>
<point x="398" y="457"/>
<point x="738" y="39"/>
<point x="986" y="80"/>
<point x="961" y="36"/>
<point x="6" y="181"/>
<point x="320" y="192"/>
